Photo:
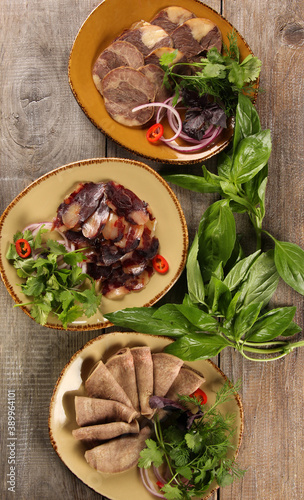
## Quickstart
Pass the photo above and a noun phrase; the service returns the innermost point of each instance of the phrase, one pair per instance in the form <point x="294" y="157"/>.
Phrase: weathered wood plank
<point x="273" y="436"/>
<point x="42" y="127"/>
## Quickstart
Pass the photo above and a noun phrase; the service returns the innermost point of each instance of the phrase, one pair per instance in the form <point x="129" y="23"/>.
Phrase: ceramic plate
<point x="103" y="25"/>
<point x="71" y="383"/>
<point x="39" y="203"/>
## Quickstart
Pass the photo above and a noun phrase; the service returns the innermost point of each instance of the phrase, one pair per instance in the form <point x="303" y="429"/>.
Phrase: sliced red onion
<point x="163" y="105"/>
<point x="148" y="483"/>
<point x="204" y="143"/>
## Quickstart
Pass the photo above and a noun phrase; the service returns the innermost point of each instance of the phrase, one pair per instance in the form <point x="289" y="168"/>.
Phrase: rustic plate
<point x="103" y="25"/>
<point x="39" y="203"/>
<point x="71" y="383"/>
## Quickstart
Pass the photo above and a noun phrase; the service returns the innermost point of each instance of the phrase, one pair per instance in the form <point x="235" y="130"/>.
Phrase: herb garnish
<point x="228" y="292"/>
<point x="222" y="76"/>
<point x="195" y="453"/>
<point x="54" y="280"/>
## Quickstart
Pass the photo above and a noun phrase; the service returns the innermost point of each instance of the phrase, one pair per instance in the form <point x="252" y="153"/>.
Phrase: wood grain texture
<point x="42" y="127"/>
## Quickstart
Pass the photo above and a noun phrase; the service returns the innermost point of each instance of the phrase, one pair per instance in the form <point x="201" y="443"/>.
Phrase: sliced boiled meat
<point x="123" y="89"/>
<point x="119" y="454"/>
<point x="172" y="17"/>
<point x="126" y="203"/>
<point x="97" y="221"/>
<point x="79" y="205"/>
<point x="91" y="411"/>
<point x="103" y="432"/>
<point x="156" y="76"/>
<point x="116" y="230"/>
<point x="115" y="55"/>
<point x="147" y="38"/>
<point x="197" y="36"/>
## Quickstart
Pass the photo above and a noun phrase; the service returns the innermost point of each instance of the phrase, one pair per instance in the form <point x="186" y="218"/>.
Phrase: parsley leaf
<point x="54" y="280"/>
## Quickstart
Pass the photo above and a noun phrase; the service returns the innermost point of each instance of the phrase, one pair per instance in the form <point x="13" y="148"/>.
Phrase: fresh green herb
<point x="195" y="448"/>
<point x="54" y="280"/>
<point x="219" y="75"/>
<point x="227" y="304"/>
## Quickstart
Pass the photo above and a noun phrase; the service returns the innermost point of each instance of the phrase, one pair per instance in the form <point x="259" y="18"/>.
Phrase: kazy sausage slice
<point x="123" y="89"/>
<point x="117" y="54"/>
<point x="196" y="36"/>
<point x="172" y="17"/>
<point x="147" y="38"/>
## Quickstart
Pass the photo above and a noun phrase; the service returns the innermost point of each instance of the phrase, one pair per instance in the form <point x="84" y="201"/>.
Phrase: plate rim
<point x="91" y="161"/>
<point x="173" y="161"/>
<point x="101" y="337"/>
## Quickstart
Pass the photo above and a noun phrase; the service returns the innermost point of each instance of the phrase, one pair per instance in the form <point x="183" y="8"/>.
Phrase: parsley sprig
<point x="54" y="280"/>
<point x="195" y="456"/>
<point x="222" y="76"/>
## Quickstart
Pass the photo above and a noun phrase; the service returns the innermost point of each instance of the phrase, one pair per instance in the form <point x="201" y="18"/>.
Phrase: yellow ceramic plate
<point x="103" y="25"/>
<point x="39" y="203"/>
<point x="71" y="383"/>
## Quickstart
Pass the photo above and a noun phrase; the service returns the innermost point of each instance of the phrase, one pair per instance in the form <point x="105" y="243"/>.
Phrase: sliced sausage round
<point x="172" y="17"/>
<point x="117" y="54"/>
<point x="197" y="35"/>
<point x="123" y="89"/>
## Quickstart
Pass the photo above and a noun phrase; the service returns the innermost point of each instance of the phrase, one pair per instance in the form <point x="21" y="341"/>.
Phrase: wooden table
<point x="42" y="127"/>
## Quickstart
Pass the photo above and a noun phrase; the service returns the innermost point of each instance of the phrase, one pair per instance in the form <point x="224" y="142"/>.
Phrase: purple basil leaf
<point x="159" y="402"/>
<point x="192" y="417"/>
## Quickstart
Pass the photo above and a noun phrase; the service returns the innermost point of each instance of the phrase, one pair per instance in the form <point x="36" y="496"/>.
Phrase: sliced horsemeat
<point x="116" y="230"/>
<point x="172" y="17"/>
<point x="156" y="76"/>
<point x="123" y="89"/>
<point x="197" y="36"/>
<point x="115" y="55"/>
<point x="147" y="38"/>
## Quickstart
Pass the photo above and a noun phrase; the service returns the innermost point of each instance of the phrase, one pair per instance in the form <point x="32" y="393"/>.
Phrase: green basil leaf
<point x="291" y="330"/>
<point x="197" y="346"/>
<point x="198" y="318"/>
<point x="247" y="121"/>
<point x="170" y="313"/>
<point x="251" y="156"/>
<point x="238" y="273"/>
<point x="231" y="308"/>
<point x="193" y="183"/>
<point x="245" y="319"/>
<point x="261" y="281"/>
<point x="218" y="291"/>
<point x="271" y="324"/>
<point x="217" y="236"/>
<point x="255" y="189"/>
<point x="141" y="320"/>
<point x="195" y="281"/>
<point x="224" y="165"/>
<point x="289" y="260"/>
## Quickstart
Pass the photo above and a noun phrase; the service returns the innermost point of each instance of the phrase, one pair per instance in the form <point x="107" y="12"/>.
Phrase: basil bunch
<point x="228" y="292"/>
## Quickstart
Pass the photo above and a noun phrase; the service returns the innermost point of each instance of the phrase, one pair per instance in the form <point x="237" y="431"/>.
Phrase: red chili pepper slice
<point x="201" y="395"/>
<point x="23" y="248"/>
<point x="155" y="132"/>
<point x="160" y="264"/>
<point x="159" y="484"/>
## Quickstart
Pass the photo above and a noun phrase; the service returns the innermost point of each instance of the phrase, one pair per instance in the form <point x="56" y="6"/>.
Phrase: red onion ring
<point x="163" y="105"/>
<point x="148" y="483"/>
